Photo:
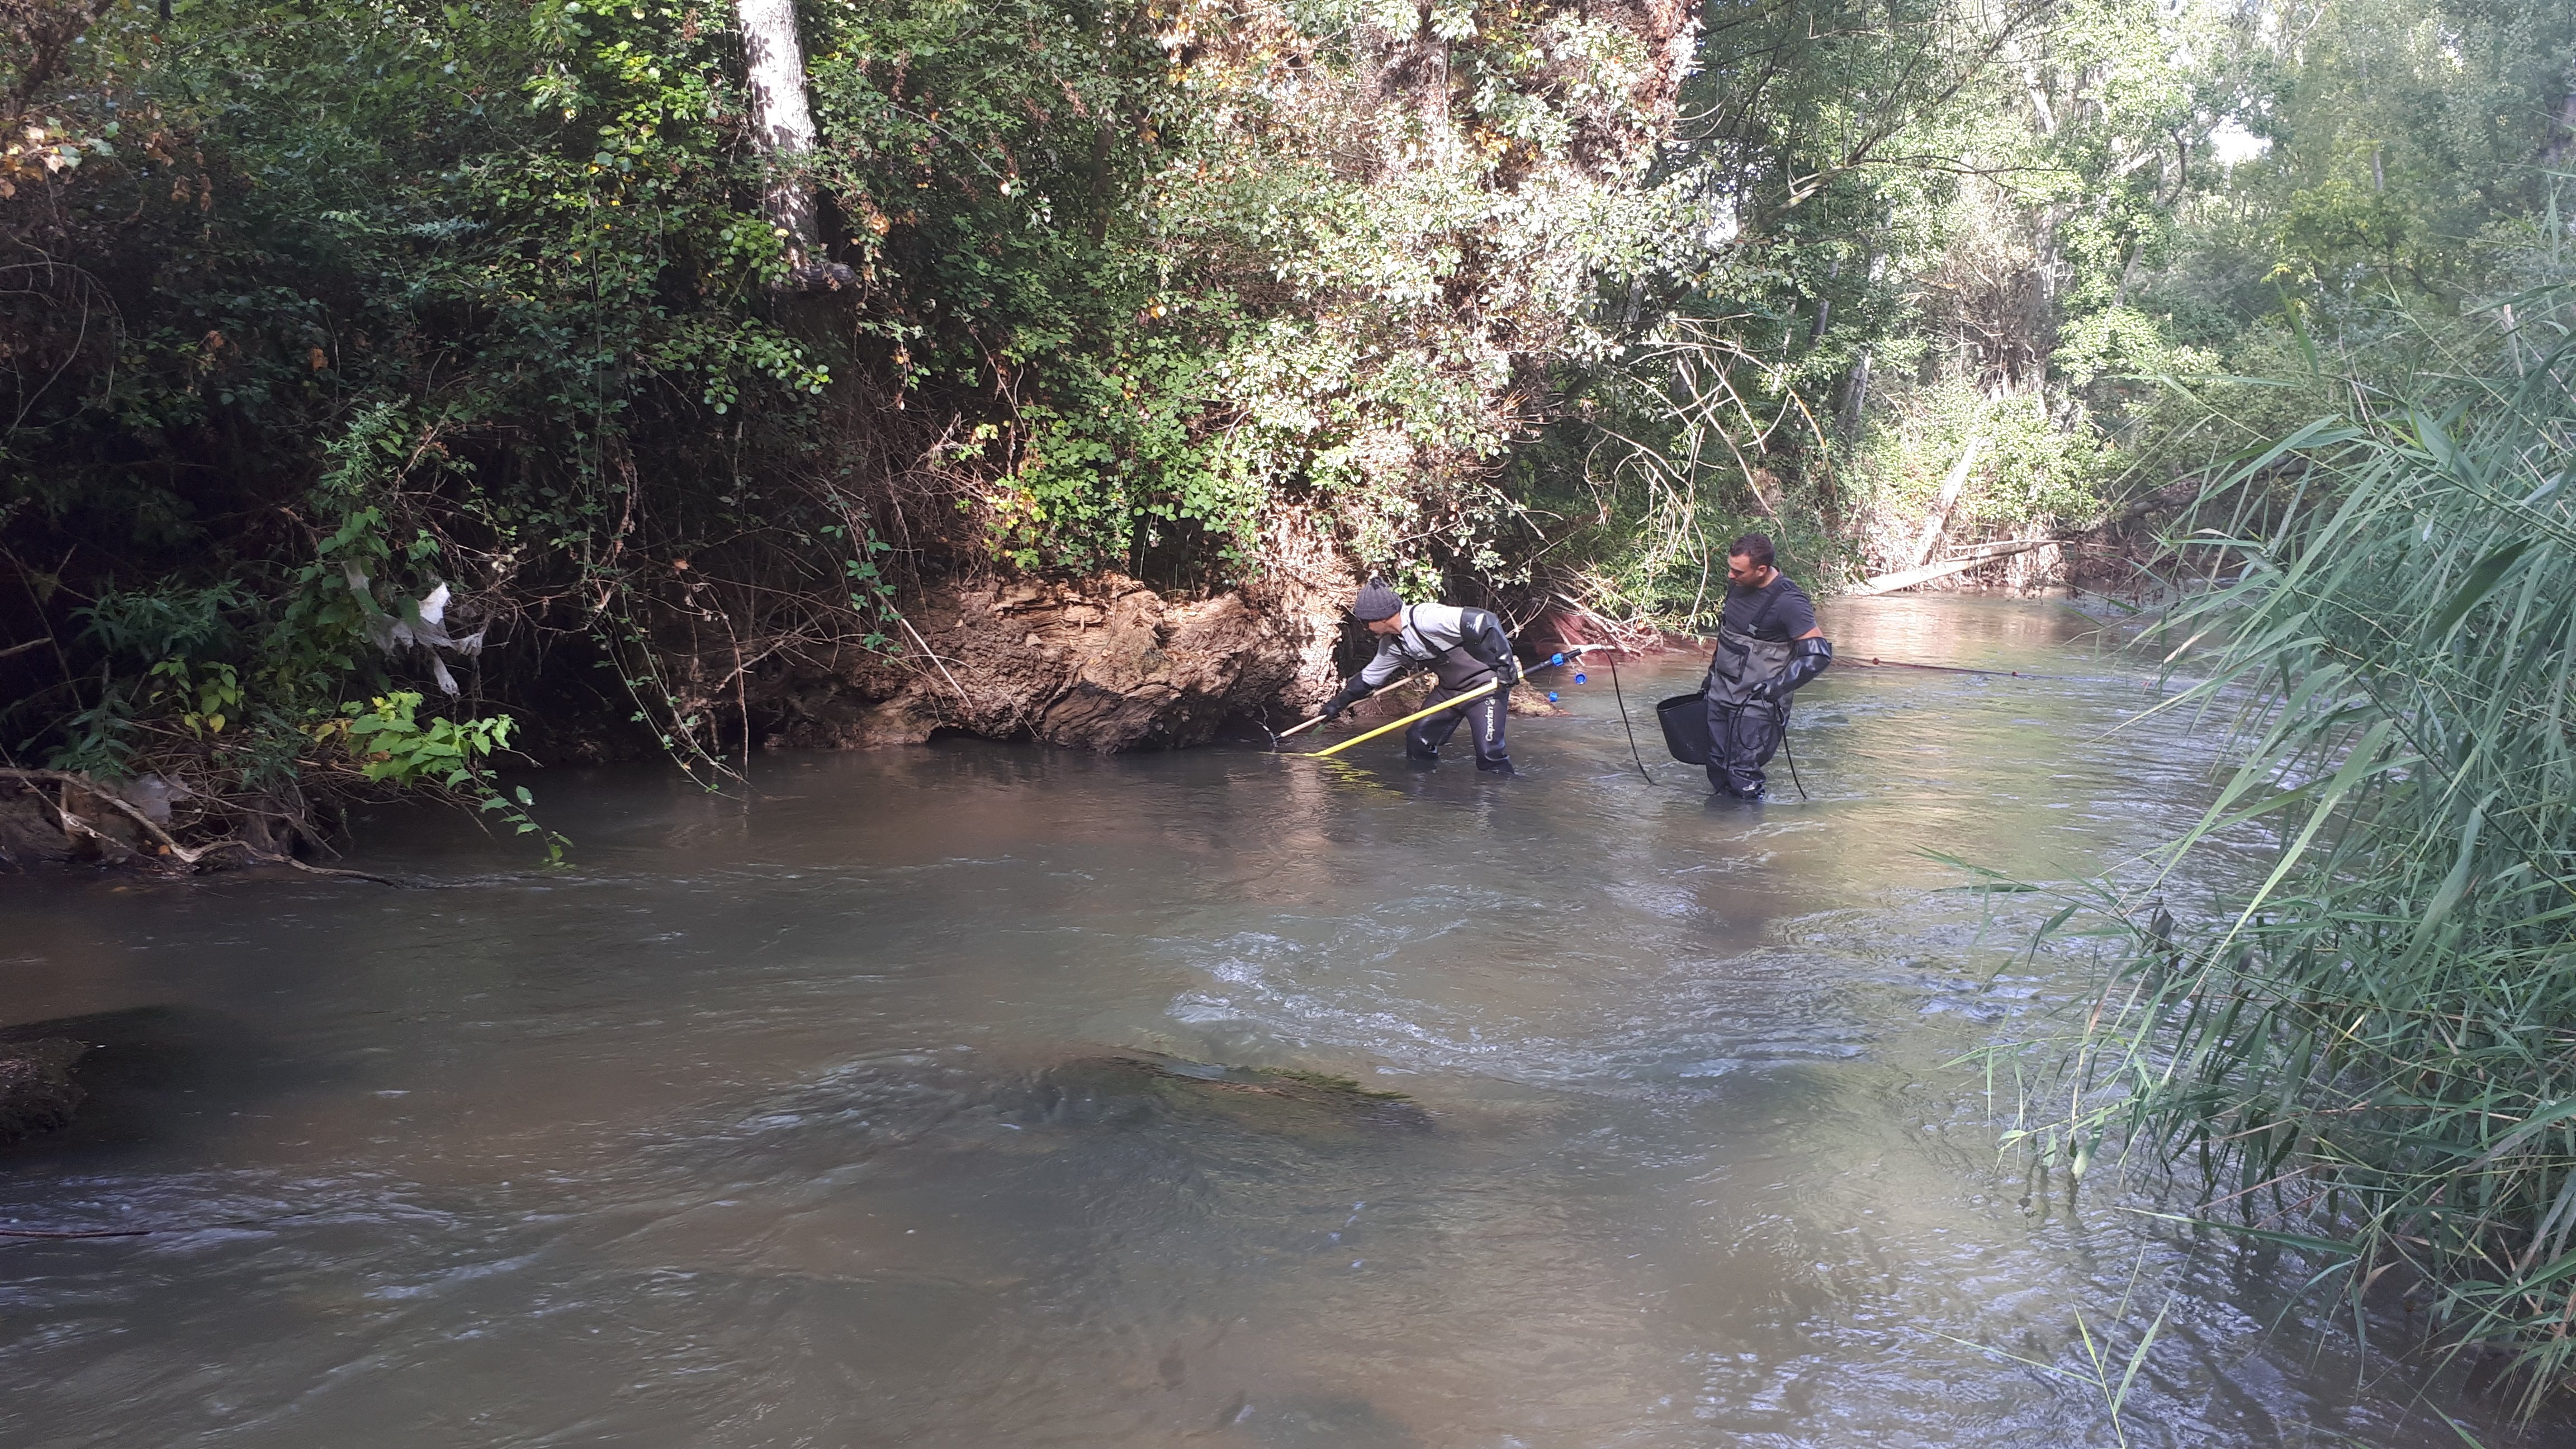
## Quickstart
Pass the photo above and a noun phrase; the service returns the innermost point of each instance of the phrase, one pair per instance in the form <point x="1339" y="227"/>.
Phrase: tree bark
<point x="2556" y="150"/>
<point x="1940" y="517"/>
<point x="1856" y="397"/>
<point x="773" y="62"/>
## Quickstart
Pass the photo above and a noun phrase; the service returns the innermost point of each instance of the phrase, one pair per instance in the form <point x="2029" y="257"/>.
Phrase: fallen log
<point x="1939" y="519"/>
<point x="1908" y="578"/>
<point x="1986" y="553"/>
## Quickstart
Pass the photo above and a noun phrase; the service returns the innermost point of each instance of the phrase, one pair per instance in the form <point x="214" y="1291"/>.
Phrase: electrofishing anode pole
<point x="1388" y="688"/>
<point x="1479" y="692"/>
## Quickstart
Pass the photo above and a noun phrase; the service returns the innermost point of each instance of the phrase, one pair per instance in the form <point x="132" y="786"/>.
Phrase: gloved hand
<point x="1351" y="693"/>
<point x="1807" y="659"/>
<point x="1507" y="673"/>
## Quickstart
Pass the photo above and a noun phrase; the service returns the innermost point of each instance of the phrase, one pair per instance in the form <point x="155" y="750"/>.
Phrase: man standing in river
<point x="1463" y="648"/>
<point x="1768" y="645"/>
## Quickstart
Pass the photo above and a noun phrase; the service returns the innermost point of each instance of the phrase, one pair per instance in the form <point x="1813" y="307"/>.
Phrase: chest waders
<point x="1454" y="672"/>
<point x="1744" y="731"/>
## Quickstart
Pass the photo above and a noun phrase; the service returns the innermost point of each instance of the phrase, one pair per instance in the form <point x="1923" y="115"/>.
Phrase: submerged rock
<point x="37" y="1093"/>
<point x="1135" y="1089"/>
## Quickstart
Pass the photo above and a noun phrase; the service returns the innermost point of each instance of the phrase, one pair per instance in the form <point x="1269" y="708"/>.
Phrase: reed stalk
<point x="2367" y="1050"/>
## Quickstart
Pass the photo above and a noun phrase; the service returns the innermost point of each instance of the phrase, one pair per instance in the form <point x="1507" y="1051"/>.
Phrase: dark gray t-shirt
<point x="1779" y="610"/>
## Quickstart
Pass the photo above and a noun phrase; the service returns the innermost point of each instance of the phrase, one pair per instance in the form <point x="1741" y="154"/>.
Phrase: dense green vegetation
<point x="318" y="307"/>
<point x="1512" y="300"/>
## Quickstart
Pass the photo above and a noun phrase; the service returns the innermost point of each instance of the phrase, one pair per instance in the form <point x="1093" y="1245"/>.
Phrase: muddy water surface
<point x="932" y="1098"/>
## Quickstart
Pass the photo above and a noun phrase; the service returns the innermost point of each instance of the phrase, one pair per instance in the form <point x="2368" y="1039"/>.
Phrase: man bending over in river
<point x="1463" y="648"/>
<point x="1767" y="645"/>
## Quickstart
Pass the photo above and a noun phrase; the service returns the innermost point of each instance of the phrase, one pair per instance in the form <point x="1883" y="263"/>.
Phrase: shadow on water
<point x="976" y="1094"/>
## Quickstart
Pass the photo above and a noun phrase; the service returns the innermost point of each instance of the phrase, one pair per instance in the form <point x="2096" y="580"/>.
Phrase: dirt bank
<point x="1103" y="663"/>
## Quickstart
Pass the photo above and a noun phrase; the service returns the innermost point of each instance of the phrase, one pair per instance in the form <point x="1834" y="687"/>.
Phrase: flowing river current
<point x="976" y="1095"/>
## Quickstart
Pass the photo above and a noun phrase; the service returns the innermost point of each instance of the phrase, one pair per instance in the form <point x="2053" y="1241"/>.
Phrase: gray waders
<point x="1458" y="671"/>
<point x="1743" y="732"/>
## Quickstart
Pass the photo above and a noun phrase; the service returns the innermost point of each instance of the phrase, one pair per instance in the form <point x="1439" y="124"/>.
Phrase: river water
<point x="886" y="1108"/>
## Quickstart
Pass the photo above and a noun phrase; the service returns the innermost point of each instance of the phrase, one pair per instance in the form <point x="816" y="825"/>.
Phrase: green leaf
<point x="2480" y="582"/>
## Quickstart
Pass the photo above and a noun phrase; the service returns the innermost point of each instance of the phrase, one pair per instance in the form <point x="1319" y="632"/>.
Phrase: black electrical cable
<point x="1787" y="753"/>
<point x="1616" y="693"/>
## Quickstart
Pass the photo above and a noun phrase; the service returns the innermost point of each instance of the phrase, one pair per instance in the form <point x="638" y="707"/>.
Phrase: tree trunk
<point x="1100" y="198"/>
<point x="1940" y="518"/>
<point x="773" y="63"/>
<point x="1926" y="573"/>
<point x="2556" y="150"/>
<point x="1855" y="397"/>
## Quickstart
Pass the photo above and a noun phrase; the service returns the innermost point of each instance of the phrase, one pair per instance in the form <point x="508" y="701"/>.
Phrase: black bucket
<point x="1685" y="721"/>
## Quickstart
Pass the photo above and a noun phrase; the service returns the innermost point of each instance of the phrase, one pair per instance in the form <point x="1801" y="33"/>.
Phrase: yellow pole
<point x="1478" y="692"/>
<point x="1319" y="719"/>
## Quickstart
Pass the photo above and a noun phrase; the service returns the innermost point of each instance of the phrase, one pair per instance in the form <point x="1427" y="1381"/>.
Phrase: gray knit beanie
<point x="1376" y="601"/>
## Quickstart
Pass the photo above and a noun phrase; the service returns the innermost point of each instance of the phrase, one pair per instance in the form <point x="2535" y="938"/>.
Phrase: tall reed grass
<point x="2367" y="1050"/>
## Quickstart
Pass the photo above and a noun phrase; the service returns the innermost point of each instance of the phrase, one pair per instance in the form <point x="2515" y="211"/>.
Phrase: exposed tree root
<point x="186" y="857"/>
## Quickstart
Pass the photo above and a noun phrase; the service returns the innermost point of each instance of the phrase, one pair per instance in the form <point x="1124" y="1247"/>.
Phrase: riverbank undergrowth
<point x="2368" y="1054"/>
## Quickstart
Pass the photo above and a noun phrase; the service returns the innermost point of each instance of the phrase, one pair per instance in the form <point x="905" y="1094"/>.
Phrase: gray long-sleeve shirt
<point x="1431" y="630"/>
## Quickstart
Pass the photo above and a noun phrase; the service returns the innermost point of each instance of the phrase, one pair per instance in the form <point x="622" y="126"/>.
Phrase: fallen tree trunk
<point x="1951" y="487"/>
<point x="1986" y="553"/>
<point x="1908" y="578"/>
